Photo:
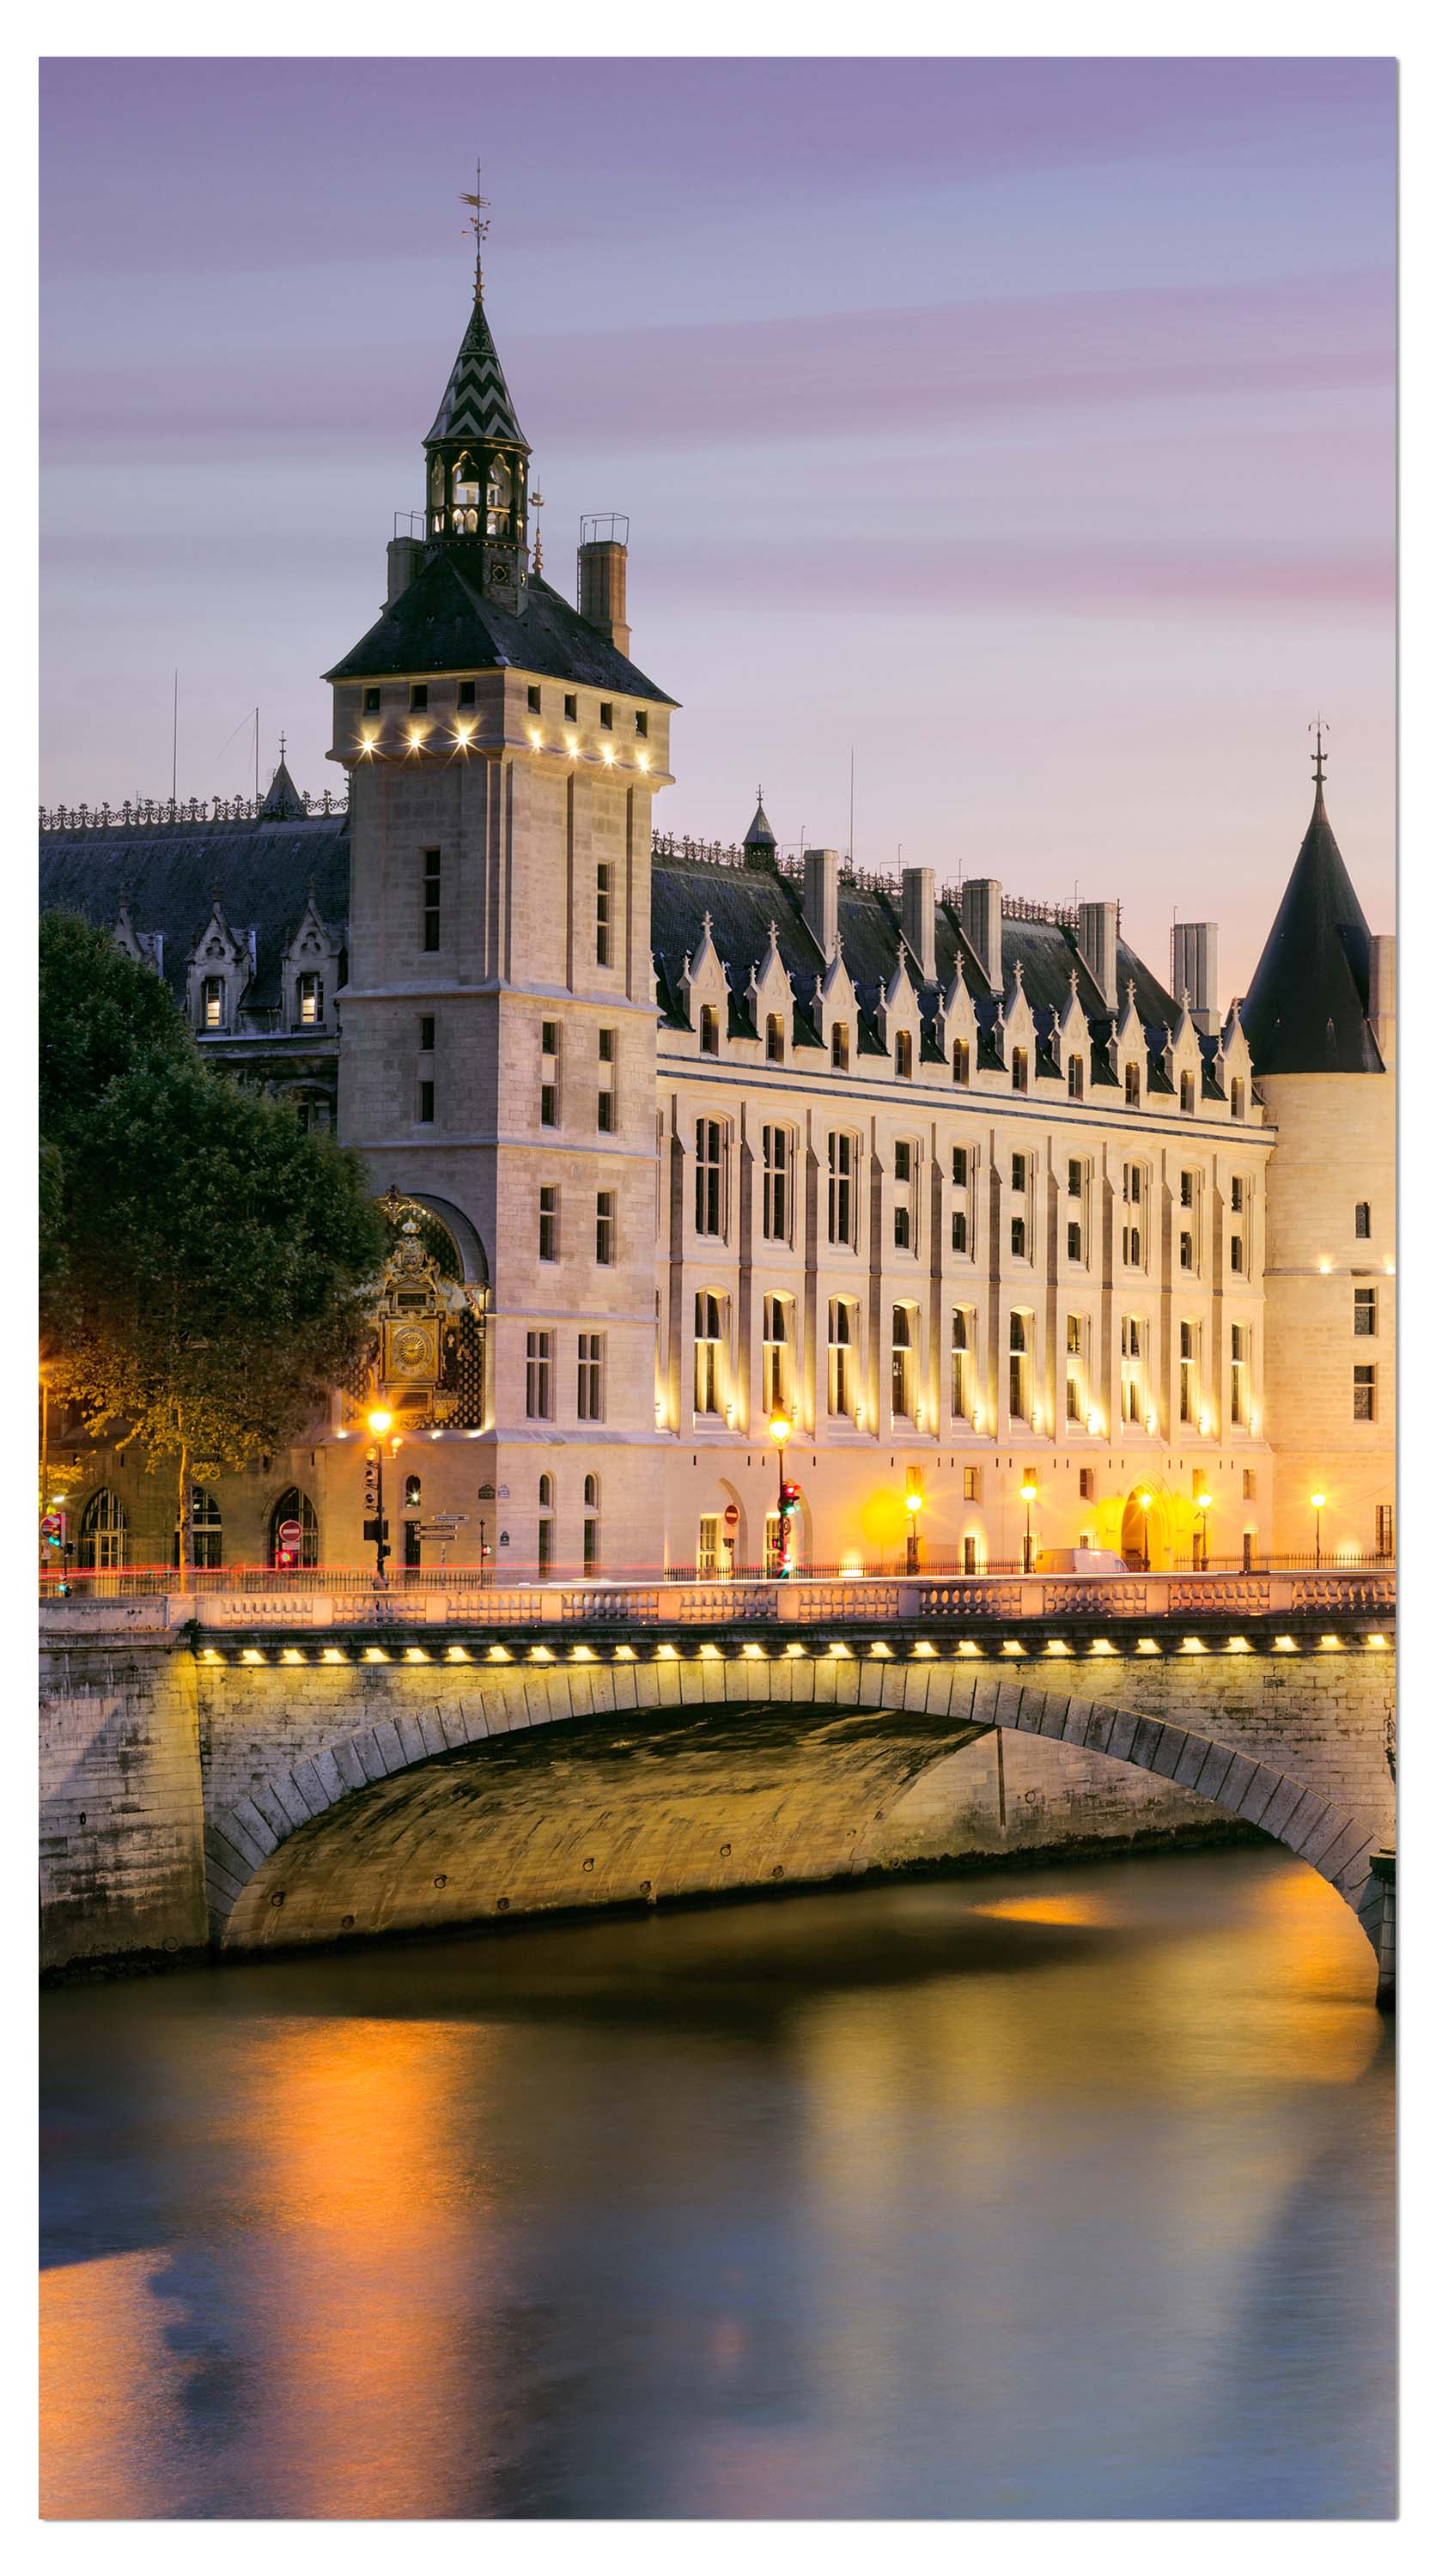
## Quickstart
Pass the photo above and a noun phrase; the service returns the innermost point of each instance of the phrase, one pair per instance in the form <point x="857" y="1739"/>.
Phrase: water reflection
<point x="1056" y="2195"/>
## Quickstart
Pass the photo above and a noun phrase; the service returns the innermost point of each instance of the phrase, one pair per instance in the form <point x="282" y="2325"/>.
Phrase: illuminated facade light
<point x="1148" y="1646"/>
<point x="709" y="1654"/>
<point x="923" y="1648"/>
<point x="1329" y="1642"/>
<point x="1376" y="1641"/>
<point x="1239" y="1645"/>
<point x="624" y="1655"/>
<point x="667" y="1654"/>
<point x="1284" y="1645"/>
<point x="332" y="1655"/>
<point x="583" y="1654"/>
<point x="251" y="1655"/>
<point x="1193" y="1646"/>
<point x="1058" y="1646"/>
<point x="839" y="1649"/>
<point x="209" y="1655"/>
<point x="796" y="1650"/>
<point x="541" y="1655"/>
<point x="967" y="1646"/>
<point x="375" y="1655"/>
<point x="458" y="1654"/>
<point x="500" y="1655"/>
<point x="1010" y="1646"/>
<point x="1103" y="1646"/>
<point x="1324" y="1267"/>
<point x="880" y="1649"/>
<point x="755" y="1654"/>
<point x="291" y="1655"/>
<point x="415" y="1655"/>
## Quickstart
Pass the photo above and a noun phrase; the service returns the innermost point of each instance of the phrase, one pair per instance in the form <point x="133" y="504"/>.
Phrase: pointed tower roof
<point x="476" y="401"/>
<point x="282" y="802"/>
<point x="760" y="836"/>
<point x="1305" y="1009"/>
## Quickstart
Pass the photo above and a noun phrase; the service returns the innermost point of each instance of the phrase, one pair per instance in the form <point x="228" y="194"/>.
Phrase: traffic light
<point x="789" y="1497"/>
<point x="377" y="1529"/>
<point x="371" y="1482"/>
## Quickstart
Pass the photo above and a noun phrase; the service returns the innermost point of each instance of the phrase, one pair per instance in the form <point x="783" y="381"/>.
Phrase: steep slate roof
<point x="167" y="874"/>
<point x="443" y="622"/>
<point x="742" y="902"/>
<point x="477" y="402"/>
<point x="1305" y="1009"/>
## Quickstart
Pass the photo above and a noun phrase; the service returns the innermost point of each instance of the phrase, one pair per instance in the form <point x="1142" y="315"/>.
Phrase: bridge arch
<point x="451" y="1709"/>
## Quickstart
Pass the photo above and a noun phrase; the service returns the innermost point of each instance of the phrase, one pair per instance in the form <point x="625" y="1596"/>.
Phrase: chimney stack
<point x="603" y="576"/>
<point x="982" y="926"/>
<point x="405" y="557"/>
<point x="1381" y="997"/>
<point x="820" y="899"/>
<point x="919" y="921"/>
<point x="1097" y="943"/>
<point x="1194" y="969"/>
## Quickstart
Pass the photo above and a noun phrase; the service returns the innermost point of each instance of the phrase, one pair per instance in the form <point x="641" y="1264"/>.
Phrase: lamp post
<point x="1146" y="1502"/>
<point x="380" y="1421"/>
<point x="780" y="1432"/>
<point x="1029" y="1496"/>
<point x="1318" y="1505"/>
<point x="914" y="1506"/>
<point x="1204" y="1505"/>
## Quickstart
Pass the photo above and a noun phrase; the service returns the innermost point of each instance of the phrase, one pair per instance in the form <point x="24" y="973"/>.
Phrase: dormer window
<point x="775" y="1038"/>
<point x="1134" y="1086"/>
<point x="1188" y="1095"/>
<point x="1074" y="1077"/>
<point x="708" y="1030"/>
<point x="311" y="1001"/>
<point x="1019" y="1068"/>
<point x="212" y="1008"/>
<point x="499" y="500"/>
<point x="840" y="1048"/>
<point x="902" y="1055"/>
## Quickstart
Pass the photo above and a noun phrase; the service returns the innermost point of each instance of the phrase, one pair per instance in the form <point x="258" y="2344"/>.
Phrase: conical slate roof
<point x="1305" y="1010"/>
<point x="760" y="834"/>
<point x="477" y="402"/>
<point x="282" y="801"/>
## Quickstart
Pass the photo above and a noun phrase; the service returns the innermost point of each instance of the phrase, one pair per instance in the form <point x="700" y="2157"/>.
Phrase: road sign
<point x="52" y="1525"/>
<point x="731" y="1515"/>
<point x="438" y="1530"/>
<point x="289" y="1533"/>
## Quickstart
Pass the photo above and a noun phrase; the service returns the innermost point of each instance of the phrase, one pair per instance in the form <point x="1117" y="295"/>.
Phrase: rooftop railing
<point x="149" y="812"/>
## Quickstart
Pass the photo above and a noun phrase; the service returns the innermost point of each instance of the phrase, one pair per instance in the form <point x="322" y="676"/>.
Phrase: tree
<point x="217" y="1262"/>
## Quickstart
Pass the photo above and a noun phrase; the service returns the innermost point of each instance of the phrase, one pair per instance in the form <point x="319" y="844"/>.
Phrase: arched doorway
<point x="104" y="1533"/>
<point x="1147" y="1527"/>
<point x="294" y="1505"/>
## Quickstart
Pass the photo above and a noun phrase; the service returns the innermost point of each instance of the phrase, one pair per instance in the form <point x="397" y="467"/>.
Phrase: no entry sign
<point x="289" y="1533"/>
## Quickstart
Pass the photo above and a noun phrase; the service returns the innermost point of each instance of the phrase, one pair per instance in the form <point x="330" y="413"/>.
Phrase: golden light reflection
<point x="111" y="2389"/>
<point x="1067" y="1908"/>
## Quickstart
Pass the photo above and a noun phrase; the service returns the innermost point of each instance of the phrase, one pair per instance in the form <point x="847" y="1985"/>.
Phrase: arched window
<point x="842" y="1356"/>
<point x="708" y="1030"/>
<point x="294" y="1505"/>
<point x="1074" y="1077"/>
<point x="104" y="1532"/>
<point x="1134" y="1086"/>
<point x="211" y="1015"/>
<point x="1019" y="1367"/>
<point x="206" y="1531"/>
<point x="777" y="1354"/>
<point x="961" y="1363"/>
<point x="840" y="1047"/>
<point x="309" y="1001"/>
<point x="709" y="1338"/>
<point x="466" y="498"/>
<point x="1239" y="1097"/>
<point x="1188" y="1095"/>
<point x="904" y="1362"/>
<point x="1019" y="1068"/>
<point x="902" y="1054"/>
<point x="545" y="1525"/>
<point x="500" y="496"/>
<point x="590" y="1524"/>
<point x="709" y="1173"/>
<point x="775" y="1038"/>
<point x="961" y="1061"/>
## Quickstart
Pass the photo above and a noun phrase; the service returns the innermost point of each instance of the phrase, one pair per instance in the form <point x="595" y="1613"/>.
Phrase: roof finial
<point x="281" y="745"/>
<point x="536" y="505"/>
<point x="1321" y="728"/>
<point x="480" y="222"/>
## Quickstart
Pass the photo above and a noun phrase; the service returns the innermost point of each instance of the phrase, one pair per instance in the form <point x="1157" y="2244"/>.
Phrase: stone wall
<point x="121" y="1807"/>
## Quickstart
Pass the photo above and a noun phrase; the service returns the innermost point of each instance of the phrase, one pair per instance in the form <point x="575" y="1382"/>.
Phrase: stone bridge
<point x="282" y="1767"/>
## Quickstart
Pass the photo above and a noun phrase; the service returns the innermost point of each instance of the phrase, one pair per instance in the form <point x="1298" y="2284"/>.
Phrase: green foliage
<point x="209" y="1261"/>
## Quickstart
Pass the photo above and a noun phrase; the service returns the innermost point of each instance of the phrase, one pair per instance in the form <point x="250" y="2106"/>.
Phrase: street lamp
<point x="1146" y="1502"/>
<point x="780" y="1431"/>
<point x="914" y="1506"/>
<point x="1029" y="1496"/>
<point x="1318" y="1505"/>
<point x="380" y="1421"/>
<point x="1204" y="1505"/>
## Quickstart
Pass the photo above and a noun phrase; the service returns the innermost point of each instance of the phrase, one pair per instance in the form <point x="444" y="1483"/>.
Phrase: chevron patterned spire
<point x="477" y="402"/>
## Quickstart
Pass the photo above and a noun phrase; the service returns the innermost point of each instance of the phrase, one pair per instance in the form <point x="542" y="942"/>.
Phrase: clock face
<point x="411" y="1347"/>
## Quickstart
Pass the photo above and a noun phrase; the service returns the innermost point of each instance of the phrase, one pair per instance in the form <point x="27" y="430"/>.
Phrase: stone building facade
<point x="692" y="1137"/>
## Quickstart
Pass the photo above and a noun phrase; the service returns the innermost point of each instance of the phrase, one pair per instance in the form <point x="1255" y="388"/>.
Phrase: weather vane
<point x="536" y="504"/>
<point x="1321" y="728"/>
<point x="480" y="223"/>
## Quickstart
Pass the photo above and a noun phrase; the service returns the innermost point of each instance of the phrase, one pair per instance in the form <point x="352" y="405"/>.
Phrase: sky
<point x="1023" y="430"/>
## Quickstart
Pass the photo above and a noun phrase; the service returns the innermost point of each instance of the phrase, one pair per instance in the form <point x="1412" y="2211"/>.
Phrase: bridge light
<point x="500" y="1655"/>
<point x="415" y="1655"/>
<point x="291" y="1655"/>
<point x="583" y="1654"/>
<point x="1285" y="1645"/>
<point x="332" y="1655"/>
<point x="541" y="1655"/>
<point x="1010" y="1646"/>
<point x="1103" y="1646"/>
<point x="1239" y="1645"/>
<point x="923" y="1648"/>
<point x="209" y="1655"/>
<point x="1148" y="1646"/>
<point x="755" y="1654"/>
<point x="1376" y="1641"/>
<point x="880" y="1649"/>
<point x="375" y="1655"/>
<point x="968" y="1646"/>
<point x="668" y="1653"/>
<point x="1193" y="1646"/>
<point x="251" y="1655"/>
<point x="623" y="1655"/>
<point x="1058" y="1646"/>
<point x="838" y="1648"/>
<point x="797" y="1650"/>
<point x="458" y="1654"/>
<point x="1330" y="1641"/>
<point x="708" y="1653"/>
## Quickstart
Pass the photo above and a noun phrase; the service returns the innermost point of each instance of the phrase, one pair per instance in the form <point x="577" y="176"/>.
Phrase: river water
<point x="1059" y="2193"/>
